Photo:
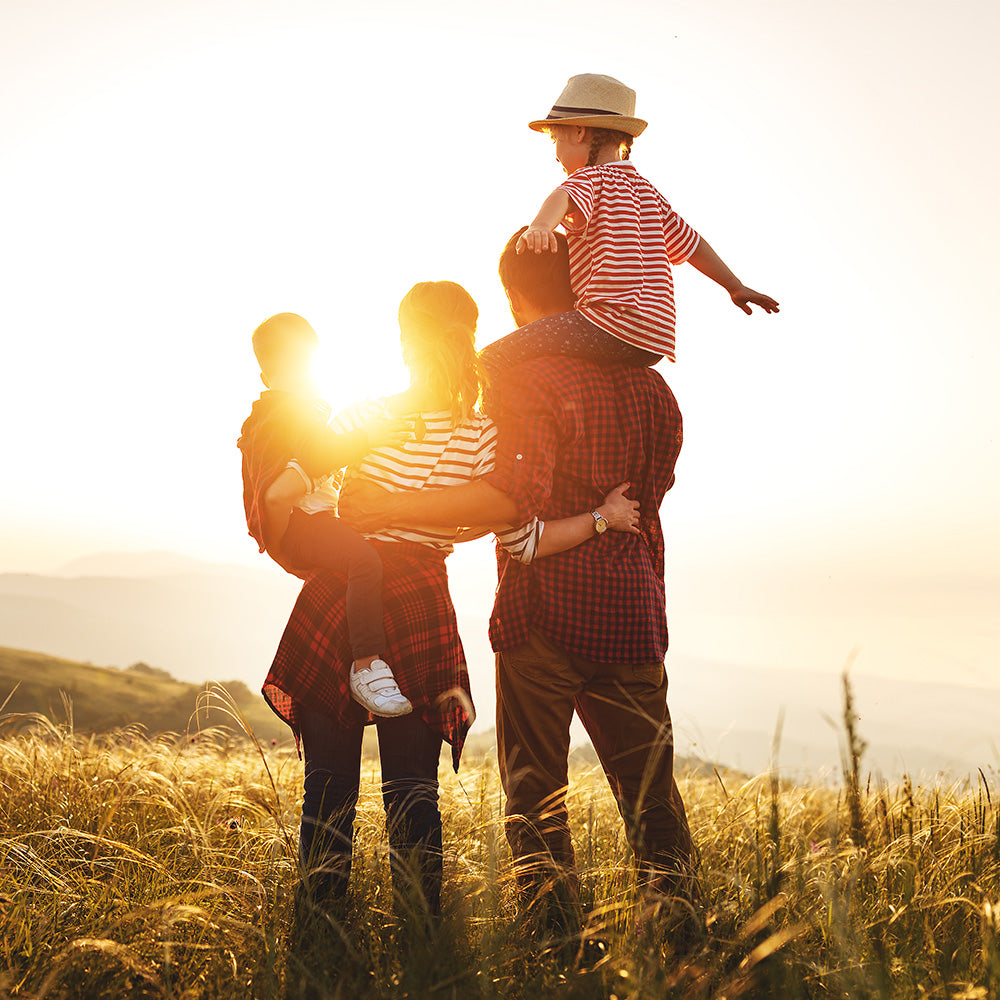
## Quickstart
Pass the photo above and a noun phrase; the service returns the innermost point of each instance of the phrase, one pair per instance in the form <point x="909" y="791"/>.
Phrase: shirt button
<point x="519" y="457"/>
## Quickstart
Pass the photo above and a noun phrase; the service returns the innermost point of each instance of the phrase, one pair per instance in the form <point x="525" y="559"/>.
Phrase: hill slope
<point x="102" y="698"/>
<point x="200" y="620"/>
<point x="220" y="621"/>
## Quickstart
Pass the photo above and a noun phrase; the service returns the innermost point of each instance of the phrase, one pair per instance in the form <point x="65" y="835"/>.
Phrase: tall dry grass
<point x="137" y="867"/>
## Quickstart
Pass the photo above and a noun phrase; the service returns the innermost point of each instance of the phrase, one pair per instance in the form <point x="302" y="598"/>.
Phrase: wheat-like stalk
<point x="138" y="866"/>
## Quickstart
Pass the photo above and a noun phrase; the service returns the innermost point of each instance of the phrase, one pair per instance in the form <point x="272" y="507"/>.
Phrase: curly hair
<point x="437" y="323"/>
<point x="601" y="137"/>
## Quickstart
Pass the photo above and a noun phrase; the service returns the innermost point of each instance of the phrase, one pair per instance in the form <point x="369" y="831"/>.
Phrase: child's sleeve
<point x="307" y="481"/>
<point x="680" y="238"/>
<point x="582" y="190"/>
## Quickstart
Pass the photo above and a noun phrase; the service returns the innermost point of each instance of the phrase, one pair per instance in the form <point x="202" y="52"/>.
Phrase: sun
<point x="359" y="355"/>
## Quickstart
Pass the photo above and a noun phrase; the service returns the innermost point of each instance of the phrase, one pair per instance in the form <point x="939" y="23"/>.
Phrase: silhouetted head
<point x="285" y="346"/>
<point x="437" y="325"/>
<point x="537" y="284"/>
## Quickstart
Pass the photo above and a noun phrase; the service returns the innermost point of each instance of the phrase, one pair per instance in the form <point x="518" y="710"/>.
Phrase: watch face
<point x="601" y="525"/>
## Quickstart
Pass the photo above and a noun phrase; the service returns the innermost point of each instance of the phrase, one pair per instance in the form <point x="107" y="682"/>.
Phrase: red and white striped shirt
<point x="623" y="237"/>
<point x="445" y="455"/>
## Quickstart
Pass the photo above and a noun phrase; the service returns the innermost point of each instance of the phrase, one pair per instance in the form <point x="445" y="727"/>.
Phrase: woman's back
<point x="442" y="455"/>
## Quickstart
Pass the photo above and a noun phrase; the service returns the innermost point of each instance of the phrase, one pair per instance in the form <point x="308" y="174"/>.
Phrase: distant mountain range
<point x="202" y="621"/>
<point x="198" y="620"/>
<point x="727" y="713"/>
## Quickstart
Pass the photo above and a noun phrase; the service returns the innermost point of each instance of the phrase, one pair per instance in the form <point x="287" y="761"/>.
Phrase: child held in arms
<point x="289" y="456"/>
<point x="623" y="238"/>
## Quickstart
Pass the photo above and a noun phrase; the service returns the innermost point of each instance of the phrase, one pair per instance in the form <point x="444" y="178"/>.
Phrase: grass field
<point x="136" y="867"/>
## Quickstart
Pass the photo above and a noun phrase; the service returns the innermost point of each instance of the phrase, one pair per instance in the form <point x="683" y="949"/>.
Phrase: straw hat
<point x="595" y="100"/>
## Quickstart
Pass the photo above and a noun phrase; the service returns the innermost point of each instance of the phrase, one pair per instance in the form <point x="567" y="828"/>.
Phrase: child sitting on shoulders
<point x="289" y="454"/>
<point x="623" y="238"/>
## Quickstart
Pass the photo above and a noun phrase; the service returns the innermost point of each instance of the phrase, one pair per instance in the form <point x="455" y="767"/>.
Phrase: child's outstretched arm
<point x="539" y="235"/>
<point x="706" y="260"/>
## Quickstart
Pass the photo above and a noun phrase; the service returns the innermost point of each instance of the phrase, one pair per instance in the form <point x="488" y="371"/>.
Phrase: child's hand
<point x="621" y="513"/>
<point x="389" y="432"/>
<point x="536" y="239"/>
<point x="743" y="296"/>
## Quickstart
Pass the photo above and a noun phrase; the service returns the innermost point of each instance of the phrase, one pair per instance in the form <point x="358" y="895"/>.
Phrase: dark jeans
<point x="409" y="751"/>
<point x="323" y="541"/>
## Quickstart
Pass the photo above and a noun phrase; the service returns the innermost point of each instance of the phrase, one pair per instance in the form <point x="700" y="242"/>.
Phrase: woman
<point x="308" y="681"/>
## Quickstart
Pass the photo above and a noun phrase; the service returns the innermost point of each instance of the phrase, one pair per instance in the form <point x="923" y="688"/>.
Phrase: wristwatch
<point x="600" y="522"/>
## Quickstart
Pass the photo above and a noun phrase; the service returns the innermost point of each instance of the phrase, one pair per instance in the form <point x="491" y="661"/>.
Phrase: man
<point x="585" y="629"/>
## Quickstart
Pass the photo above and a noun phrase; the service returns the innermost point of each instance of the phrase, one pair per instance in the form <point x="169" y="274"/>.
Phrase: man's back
<point x="571" y="431"/>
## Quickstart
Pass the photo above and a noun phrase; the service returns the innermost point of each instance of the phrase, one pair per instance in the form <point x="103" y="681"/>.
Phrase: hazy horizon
<point x="225" y="622"/>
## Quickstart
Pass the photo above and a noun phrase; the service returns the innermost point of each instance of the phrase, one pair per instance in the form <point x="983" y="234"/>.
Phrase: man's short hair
<point x="541" y="278"/>
<point x="283" y="342"/>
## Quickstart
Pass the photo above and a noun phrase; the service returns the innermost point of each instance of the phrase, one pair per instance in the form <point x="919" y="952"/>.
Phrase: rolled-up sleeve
<point x="528" y="418"/>
<point x="521" y="542"/>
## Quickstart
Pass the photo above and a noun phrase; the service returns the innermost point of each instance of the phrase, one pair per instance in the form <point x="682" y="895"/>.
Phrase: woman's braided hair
<point x="601" y="137"/>
<point x="437" y="322"/>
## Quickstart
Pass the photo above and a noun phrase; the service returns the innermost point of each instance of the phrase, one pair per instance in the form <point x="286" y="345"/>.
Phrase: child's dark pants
<point x="568" y="333"/>
<point x="323" y="541"/>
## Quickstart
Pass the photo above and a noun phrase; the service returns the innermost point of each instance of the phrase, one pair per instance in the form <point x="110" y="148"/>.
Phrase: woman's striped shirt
<point x="444" y="456"/>
<point x="623" y="237"/>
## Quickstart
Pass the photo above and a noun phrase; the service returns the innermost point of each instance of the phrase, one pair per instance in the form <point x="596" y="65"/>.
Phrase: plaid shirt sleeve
<point x="520" y="540"/>
<point x="527" y="444"/>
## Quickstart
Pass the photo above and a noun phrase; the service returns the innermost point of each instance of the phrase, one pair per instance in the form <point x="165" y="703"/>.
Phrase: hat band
<point x="570" y="112"/>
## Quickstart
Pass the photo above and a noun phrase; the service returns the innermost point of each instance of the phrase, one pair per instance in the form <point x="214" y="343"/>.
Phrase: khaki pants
<point x="624" y="709"/>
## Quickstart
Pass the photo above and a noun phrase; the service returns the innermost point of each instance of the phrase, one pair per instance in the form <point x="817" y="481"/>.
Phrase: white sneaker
<point x="376" y="689"/>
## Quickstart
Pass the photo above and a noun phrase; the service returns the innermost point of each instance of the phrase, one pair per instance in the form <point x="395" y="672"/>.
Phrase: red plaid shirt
<point x="570" y="431"/>
<point x="313" y="661"/>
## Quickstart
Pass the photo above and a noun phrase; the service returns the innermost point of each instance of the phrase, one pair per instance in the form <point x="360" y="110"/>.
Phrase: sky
<point x="173" y="172"/>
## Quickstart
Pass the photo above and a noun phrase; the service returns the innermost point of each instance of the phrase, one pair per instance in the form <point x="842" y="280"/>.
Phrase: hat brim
<point x="620" y="123"/>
